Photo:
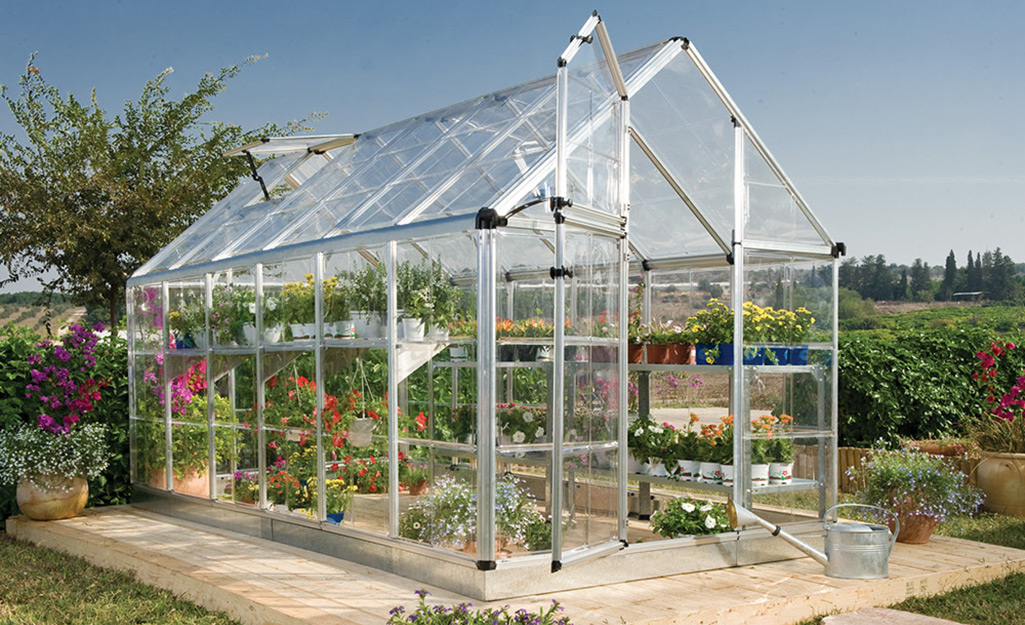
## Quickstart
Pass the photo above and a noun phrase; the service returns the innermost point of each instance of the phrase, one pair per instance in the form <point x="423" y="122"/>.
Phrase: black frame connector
<point x="489" y="219"/>
<point x="839" y="249"/>
<point x="560" y="272"/>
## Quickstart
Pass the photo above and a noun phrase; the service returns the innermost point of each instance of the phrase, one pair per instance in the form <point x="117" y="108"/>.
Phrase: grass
<point x="39" y="586"/>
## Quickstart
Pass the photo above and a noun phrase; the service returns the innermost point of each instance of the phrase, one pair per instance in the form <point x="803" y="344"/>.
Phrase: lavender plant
<point x="910" y="482"/>
<point x="426" y="614"/>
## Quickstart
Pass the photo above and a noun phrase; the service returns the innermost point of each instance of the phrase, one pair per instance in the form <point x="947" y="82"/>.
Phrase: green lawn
<point x="40" y="586"/>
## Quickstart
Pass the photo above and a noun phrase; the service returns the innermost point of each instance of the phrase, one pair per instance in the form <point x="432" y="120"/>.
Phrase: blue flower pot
<point x="725" y="354"/>
<point x="335" y="518"/>
<point x="776" y="355"/>
<point x="798" y="355"/>
<point x="753" y="356"/>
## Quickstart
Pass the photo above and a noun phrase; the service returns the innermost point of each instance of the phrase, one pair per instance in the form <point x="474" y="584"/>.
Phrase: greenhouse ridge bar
<point x="416" y="347"/>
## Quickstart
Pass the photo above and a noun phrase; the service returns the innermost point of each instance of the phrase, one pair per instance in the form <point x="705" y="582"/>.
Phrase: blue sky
<point x="900" y="122"/>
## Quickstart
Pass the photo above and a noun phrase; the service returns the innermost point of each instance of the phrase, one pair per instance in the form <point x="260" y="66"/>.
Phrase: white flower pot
<point x="457" y="354"/>
<point x="657" y="469"/>
<point x="544" y="354"/>
<point x="412" y="329"/>
<point x="710" y="473"/>
<point x="345" y="329"/>
<point x="249" y="332"/>
<point x="781" y="472"/>
<point x="689" y="471"/>
<point x="727" y="474"/>
<point x="271" y="334"/>
<point x="311" y="330"/>
<point x="759" y="474"/>
<point x="633" y="465"/>
<point x="298" y="331"/>
<point x="199" y="339"/>
<point x="361" y="432"/>
<point x="366" y="324"/>
<point x="438" y="334"/>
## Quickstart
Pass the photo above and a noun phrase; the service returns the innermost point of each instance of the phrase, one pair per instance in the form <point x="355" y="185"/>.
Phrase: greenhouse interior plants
<point x="485" y="348"/>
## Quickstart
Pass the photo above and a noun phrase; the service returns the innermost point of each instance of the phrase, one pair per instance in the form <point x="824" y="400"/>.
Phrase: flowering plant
<point x="230" y="312"/>
<point x="245" y="486"/>
<point x="425" y="614"/>
<point x="525" y="424"/>
<point x="1002" y="429"/>
<point x="666" y="333"/>
<point x="684" y="516"/>
<point x="48" y="459"/>
<point x="55" y="446"/>
<point x="912" y="483"/>
<point x="188" y="317"/>
<point x="463" y="327"/>
<point x="648" y="439"/>
<point x="713" y="325"/>
<point x="297" y="301"/>
<point x="716" y="441"/>
<point x="447" y="515"/>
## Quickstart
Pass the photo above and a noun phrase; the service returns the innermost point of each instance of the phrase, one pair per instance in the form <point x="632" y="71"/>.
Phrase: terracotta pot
<point x="635" y="353"/>
<point x="65" y="500"/>
<point x="192" y="483"/>
<point x="657" y="354"/>
<point x="915" y="529"/>
<point x="680" y="354"/>
<point x="1002" y="479"/>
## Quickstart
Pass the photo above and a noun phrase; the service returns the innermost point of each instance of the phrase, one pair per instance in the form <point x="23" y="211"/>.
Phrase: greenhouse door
<point x="588" y="481"/>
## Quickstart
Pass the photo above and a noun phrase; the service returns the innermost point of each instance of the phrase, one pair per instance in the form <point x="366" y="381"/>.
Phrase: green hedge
<point x="113" y="486"/>
<point x="912" y="383"/>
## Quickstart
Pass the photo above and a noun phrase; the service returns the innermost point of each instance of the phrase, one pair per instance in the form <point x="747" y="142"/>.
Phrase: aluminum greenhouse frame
<point x="615" y="167"/>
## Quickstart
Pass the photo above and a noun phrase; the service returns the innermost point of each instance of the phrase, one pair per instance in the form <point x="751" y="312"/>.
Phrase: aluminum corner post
<point x="133" y="405"/>
<point x="623" y="506"/>
<point x="393" y="391"/>
<point x="559" y="364"/>
<point x="211" y="432"/>
<point x="738" y="394"/>
<point x="486" y="395"/>
<point x="318" y="354"/>
<point x="261" y="395"/>
<point x="165" y="302"/>
<point x="832" y="479"/>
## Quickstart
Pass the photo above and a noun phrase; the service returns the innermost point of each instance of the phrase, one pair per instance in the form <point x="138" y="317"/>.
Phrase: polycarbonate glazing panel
<point x="290" y="417"/>
<point x="772" y="212"/>
<point x="237" y="466"/>
<point x="521" y="502"/>
<point x="148" y="317"/>
<point x="230" y="233"/>
<point x="594" y="132"/>
<point x="661" y="225"/>
<point x="228" y="209"/>
<point x="234" y="308"/>
<point x="187" y="314"/>
<point x="690" y="131"/>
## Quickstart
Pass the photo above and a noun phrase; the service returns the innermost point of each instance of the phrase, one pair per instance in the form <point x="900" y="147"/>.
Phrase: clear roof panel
<point x="683" y="121"/>
<point x="772" y="211"/>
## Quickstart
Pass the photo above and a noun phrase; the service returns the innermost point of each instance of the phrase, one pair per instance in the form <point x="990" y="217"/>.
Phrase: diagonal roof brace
<point x="657" y="162"/>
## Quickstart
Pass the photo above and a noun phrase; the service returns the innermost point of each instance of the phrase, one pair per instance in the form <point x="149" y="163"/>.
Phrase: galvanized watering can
<point x="853" y="550"/>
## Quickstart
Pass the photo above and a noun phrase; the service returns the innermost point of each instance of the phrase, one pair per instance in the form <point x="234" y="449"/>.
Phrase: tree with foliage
<point x="91" y="198"/>
<point x="921" y="281"/>
<point x="949" y="284"/>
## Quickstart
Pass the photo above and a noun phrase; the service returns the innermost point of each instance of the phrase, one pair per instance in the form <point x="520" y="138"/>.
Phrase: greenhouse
<point x="530" y="341"/>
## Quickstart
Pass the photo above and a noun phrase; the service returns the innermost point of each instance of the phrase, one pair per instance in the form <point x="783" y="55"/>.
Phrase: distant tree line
<point x="986" y="275"/>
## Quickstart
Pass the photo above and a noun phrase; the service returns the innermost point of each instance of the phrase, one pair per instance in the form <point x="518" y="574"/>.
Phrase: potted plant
<point x="245" y="487"/>
<point x="413" y="478"/>
<point x="716" y="449"/>
<point x="50" y="459"/>
<point x="687" y="453"/>
<point x="337" y="308"/>
<point x="683" y="516"/>
<point x="635" y="338"/>
<point x="668" y="343"/>
<point x="762" y="443"/>
<point x="337" y="497"/>
<point x="711" y="331"/>
<point x="654" y="444"/>
<point x="920" y="489"/>
<point x="230" y="313"/>
<point x="187" y="321"/>
<point x="298" y="308"/>
<point x="520" y="424"/>
<point x="1000" y="431"/>
<point x="369" y="299"/>
<point x="781" y="451"/>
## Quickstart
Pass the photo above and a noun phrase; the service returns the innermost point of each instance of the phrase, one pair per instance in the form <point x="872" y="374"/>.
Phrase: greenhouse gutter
<point x="372" y="238"/>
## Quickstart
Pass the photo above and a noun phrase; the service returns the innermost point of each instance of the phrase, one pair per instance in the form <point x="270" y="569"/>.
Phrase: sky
<point x="900" y="122"/>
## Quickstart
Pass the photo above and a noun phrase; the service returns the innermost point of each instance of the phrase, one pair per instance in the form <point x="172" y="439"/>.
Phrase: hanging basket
<point x="361" y="432"/>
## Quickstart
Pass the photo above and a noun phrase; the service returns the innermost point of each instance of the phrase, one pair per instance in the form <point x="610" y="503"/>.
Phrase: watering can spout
<point x="740" y="516"/>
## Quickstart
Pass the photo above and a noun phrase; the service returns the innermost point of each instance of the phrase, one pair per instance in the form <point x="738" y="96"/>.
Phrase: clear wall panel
<point x="235" y="428"/>
<point x="290" y="432"/>
<point x="233" y="313"/>
<point x="773" y="213"/>
<point x="190" y="431"/>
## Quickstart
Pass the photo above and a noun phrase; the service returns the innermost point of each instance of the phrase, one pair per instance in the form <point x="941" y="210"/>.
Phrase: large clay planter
<point x="192" y="483"/>
<point x="1002" y="479"/>
<point x="64" y="501"/>
<point x="915" y="529"/>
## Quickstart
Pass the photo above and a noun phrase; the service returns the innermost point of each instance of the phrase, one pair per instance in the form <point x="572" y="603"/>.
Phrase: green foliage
<point x="910" y="482"/>
<point x="91" y="197"/>
<point x="912" y="384"/>
<point x="684" y="516"/>
<point x="461" y="614"/>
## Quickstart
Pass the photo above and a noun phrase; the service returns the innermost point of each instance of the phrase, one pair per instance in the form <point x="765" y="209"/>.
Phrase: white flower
<point x="528" y="417"/>
<point x="252" y="308"/>
<point x="687" y="506"/>
<point x="272" y="303"/>
<point x="709" y="522"/>
<point x="656" y="429"/>
<point x="639" y="433"/>
<point x="706" y="507"/>
<point x="519" y="437"/>
<point x="539" y="433"/>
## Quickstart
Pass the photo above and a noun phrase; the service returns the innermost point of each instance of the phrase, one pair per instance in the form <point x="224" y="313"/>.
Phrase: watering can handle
<point x="896" y="519"/>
